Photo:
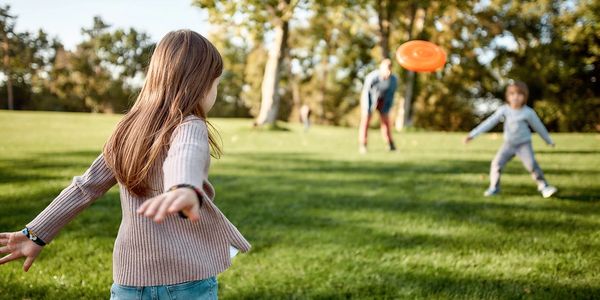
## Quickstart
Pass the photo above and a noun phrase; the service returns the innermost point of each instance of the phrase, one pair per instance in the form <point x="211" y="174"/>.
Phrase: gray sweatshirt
<point x="516" y="125"/>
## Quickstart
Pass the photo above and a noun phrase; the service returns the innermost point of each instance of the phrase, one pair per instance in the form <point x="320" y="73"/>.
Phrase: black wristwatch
<point x="185" y="185"/>
<point x="33" y="237"/>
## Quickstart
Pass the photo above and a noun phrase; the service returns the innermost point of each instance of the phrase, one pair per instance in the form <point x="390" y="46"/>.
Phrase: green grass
<point x="326" y="222"/>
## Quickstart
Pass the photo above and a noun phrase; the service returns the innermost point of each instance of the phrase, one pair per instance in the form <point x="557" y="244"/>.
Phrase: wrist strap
<point x="33" y="237"/>
<point x="185" y="185"/>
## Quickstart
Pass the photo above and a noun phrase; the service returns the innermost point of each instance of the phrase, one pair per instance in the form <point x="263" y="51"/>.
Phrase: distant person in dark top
<point x="377" y="94"/>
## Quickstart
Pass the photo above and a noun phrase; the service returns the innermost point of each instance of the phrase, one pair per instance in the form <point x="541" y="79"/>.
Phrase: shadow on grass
<point x="441" y="284"/>
<point x="295" y="199"/>
<point x="563" y="152"/>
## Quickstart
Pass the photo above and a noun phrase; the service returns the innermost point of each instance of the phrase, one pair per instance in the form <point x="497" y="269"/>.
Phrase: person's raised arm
<point x="82" y="191"/>
<point x="185" y="170"/>
<point x="537" y="125"/>
<point x="486" y="125"/>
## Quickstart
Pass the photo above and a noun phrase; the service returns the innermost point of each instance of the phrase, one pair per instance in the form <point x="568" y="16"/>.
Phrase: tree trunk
<point x="9" y="85"/>
<point x="323" y="74"/>
<point x="384" y="11"/>
<point x="404" y="116"/>
<point x="269" y="105"/>
<point x="296" y="97"/>
<point x="403" y="119"/>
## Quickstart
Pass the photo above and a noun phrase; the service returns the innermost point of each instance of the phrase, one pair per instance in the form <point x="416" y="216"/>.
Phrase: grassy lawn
<point x="326" y="222"/>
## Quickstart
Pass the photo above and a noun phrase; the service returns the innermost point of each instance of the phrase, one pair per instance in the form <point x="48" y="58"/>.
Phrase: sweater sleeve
<point x="489" y="123"/>
<point x="537" y="125"/>
<point x="81" y="193"/>
<point x="367" y="87"/>
<point x="188" y="156"/>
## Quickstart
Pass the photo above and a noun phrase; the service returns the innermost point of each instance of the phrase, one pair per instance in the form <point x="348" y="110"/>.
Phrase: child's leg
<point x="363" y="128"/>
<point x="525" y="153"/>
<point x="385" y="128"/>
<point x="504" y="155"/>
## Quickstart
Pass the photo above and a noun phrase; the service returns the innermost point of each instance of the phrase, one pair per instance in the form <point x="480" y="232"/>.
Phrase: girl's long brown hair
<point x="182" y="70"/>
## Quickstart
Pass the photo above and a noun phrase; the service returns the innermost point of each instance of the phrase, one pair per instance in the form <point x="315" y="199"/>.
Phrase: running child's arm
<point x="186" y="164"/>
<point x="537" y="125"/>
<point x="81" y="193"/>
<point x="486" y="125"/>
<point x="73" y="199"/>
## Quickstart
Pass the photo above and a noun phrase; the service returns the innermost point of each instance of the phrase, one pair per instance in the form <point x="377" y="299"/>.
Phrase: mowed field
<point x="326" y="222"/>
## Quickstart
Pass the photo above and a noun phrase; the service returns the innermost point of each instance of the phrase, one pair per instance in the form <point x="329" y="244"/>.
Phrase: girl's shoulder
<point x="192" y="127"/>
<point x="192" y="120"/>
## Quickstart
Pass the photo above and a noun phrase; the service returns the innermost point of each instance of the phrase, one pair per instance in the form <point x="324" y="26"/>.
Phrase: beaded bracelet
<point x="185" y="185"/>
<point x="33" y="237"/>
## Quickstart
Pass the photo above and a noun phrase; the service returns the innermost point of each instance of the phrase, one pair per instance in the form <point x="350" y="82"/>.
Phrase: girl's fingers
<point x="191" y="211"/>
<point x="144" y="205"/>
<point x="10" y="257"/>
<point x="162" y="210"/>
<point x="178" y="204"/>
<point x="4" y="237"/>
<point x="5" y="250"/>
<point x="153" y="205"/>
<point x="28" y="262"/>
<point x="194" y="214"/>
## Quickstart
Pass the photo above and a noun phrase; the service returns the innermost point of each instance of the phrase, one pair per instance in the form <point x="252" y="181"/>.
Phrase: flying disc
<point x="421" y="56"/>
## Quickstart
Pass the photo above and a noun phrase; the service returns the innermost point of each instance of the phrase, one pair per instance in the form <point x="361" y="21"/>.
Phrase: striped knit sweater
<point x="148" y="253"/>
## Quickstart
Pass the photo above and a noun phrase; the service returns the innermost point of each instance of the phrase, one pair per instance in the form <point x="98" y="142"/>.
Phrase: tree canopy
<point x="281" y="54"/>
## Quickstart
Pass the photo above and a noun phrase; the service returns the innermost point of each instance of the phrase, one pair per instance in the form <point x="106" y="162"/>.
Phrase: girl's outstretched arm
<point x="537" y="125"/>
<point x="82" y="191"/>
<point x="486" y="125"/>
<point x="17" y="245"/>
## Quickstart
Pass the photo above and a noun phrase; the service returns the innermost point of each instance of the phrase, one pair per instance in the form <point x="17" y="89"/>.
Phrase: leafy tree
<point x="99" y="75"/>
<point x="556" y="52"/>
<point x="24" y="58"/>
<point x="260" y="16"/>
<point x="331" y="54"/>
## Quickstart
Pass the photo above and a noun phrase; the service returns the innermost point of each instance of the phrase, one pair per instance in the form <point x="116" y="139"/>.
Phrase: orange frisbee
<point x="421" y="56"/>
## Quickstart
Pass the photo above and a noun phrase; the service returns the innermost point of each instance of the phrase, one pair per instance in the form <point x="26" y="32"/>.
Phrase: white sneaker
<point x="362" y="149"/>
<point x="491" y="192"/>
<point x="548" y="191"/>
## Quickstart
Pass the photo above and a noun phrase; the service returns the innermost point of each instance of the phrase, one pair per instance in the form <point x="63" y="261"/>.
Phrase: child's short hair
<point x="520" y="86"/>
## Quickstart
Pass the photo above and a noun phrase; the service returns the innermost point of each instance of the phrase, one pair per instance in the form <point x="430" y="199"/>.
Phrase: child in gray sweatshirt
<point x="517" y="118"/>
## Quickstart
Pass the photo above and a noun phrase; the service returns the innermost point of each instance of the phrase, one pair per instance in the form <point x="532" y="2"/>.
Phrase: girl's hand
<point x="467" y="139"/>
<point x="17" y="245"/>
<point x="181" y="199"/>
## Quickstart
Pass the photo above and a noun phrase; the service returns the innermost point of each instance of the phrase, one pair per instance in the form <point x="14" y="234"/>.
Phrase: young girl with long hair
<point x="172" y="240"/>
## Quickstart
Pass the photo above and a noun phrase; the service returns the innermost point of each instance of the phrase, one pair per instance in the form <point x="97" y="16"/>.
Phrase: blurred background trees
<point x="281" y="54"/>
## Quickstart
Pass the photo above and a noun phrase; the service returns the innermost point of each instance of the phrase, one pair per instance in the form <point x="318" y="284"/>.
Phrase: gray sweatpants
<point x="525" y="152"/>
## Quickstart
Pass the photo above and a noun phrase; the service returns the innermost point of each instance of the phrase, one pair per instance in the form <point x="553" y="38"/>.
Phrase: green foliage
<point x="326" y="222"/>
<point x="230" y="101"/>
<point x="97" y="76"/>
<point x="557" y="54"/>
<point x="333" y="53"/>
<point x="253" y="74"/>
<point x="552" y="45"/>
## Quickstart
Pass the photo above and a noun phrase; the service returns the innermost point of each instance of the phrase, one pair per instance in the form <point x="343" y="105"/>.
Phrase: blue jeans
<point x="205" y="289"/>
